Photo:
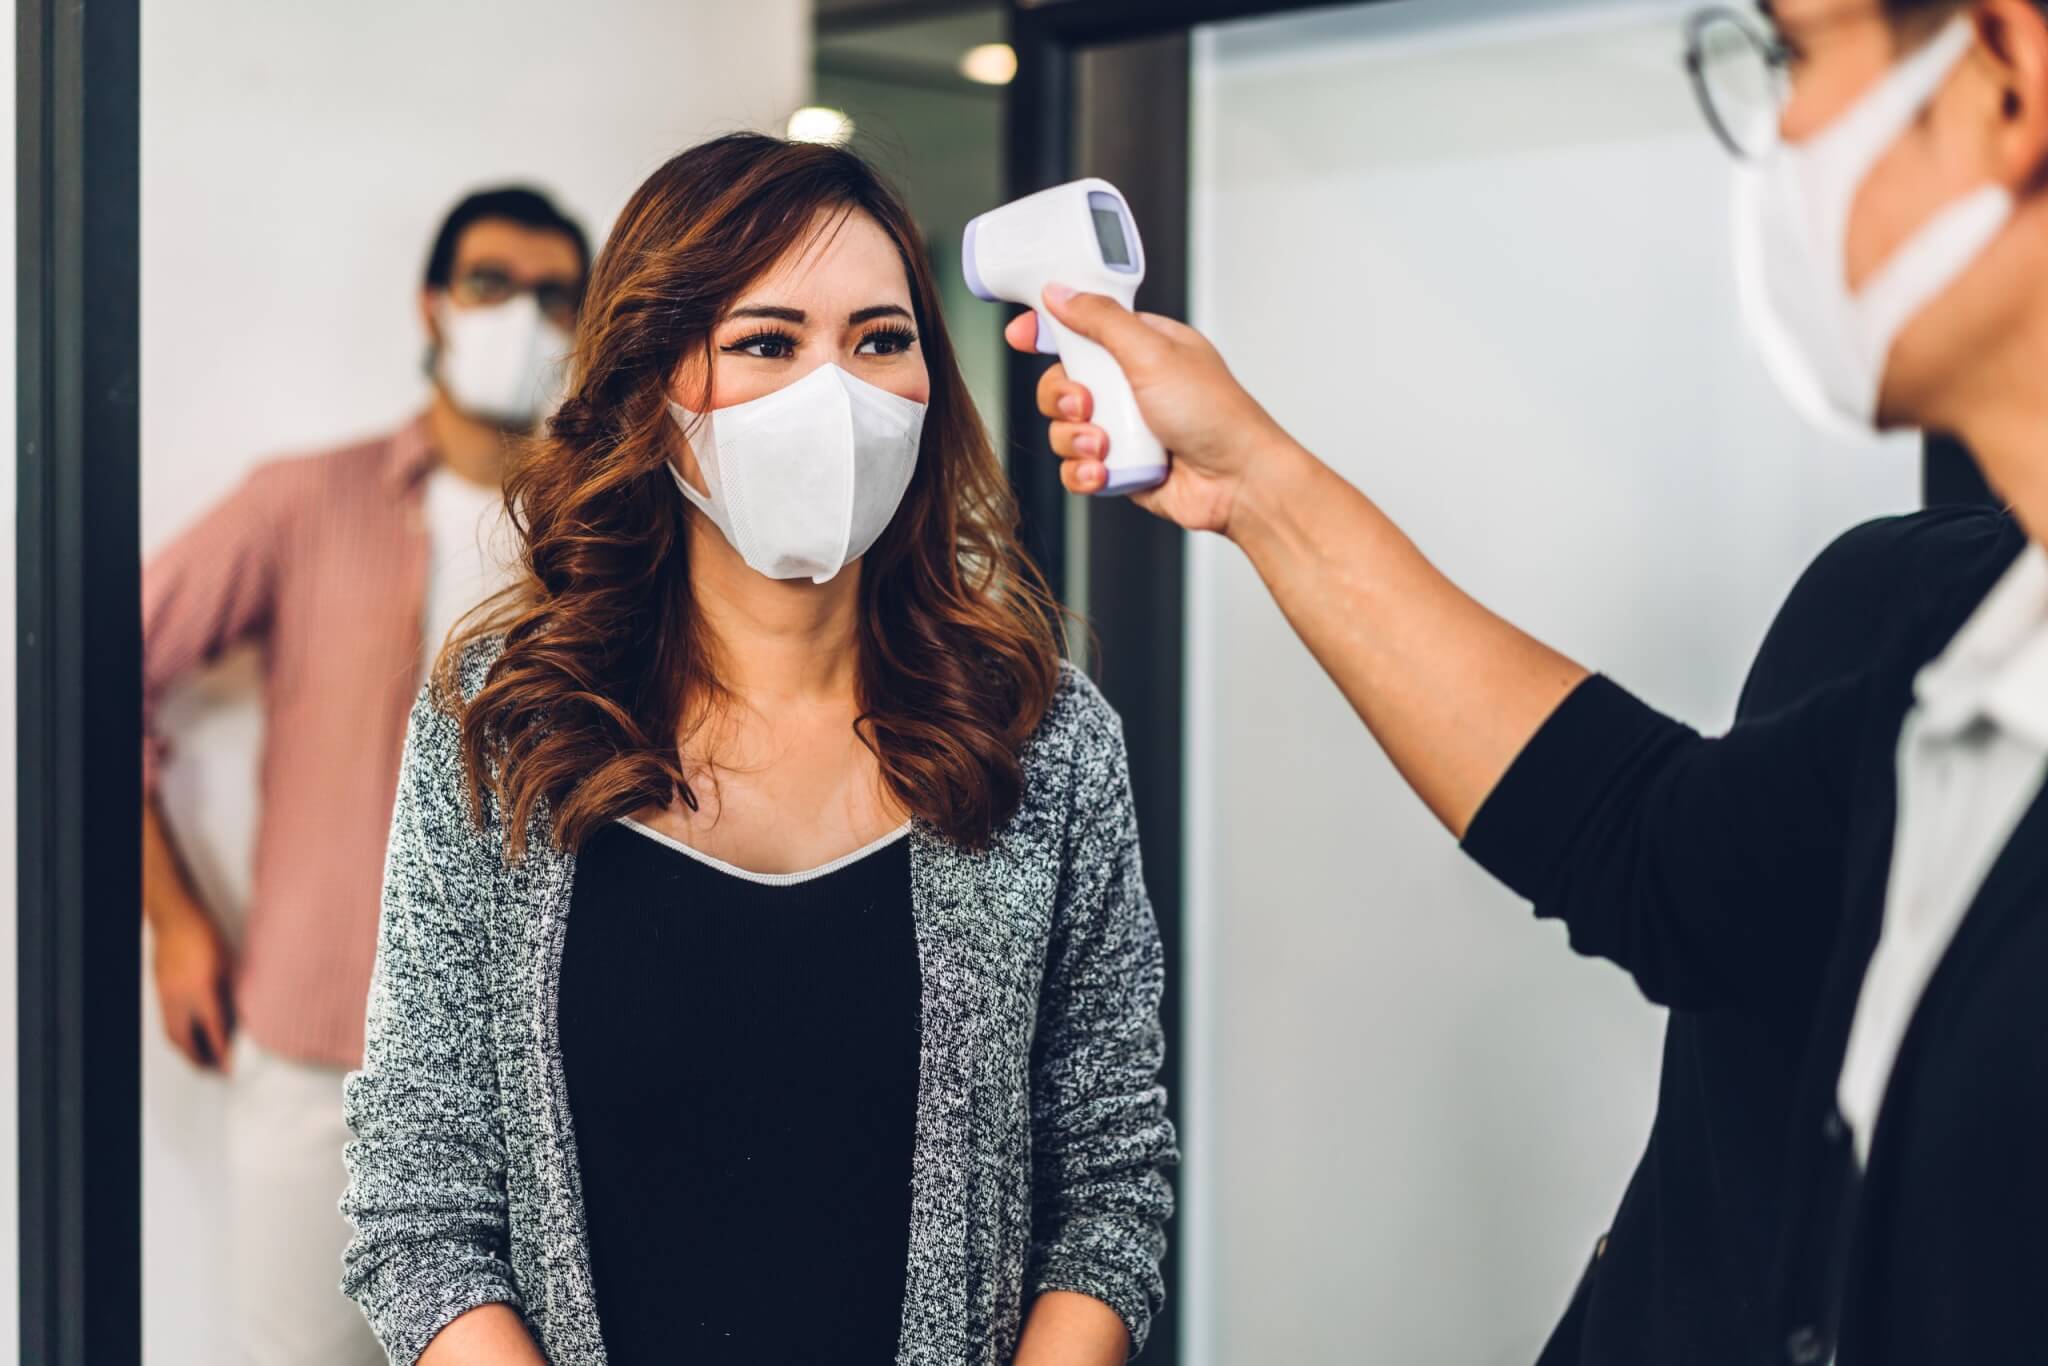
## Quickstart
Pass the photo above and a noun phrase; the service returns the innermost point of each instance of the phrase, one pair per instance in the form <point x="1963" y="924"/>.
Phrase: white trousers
<point x="285" y="1177"/>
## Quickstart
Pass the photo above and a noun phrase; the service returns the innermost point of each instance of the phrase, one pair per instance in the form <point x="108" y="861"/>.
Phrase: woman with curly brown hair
<point x="766" y="972"/>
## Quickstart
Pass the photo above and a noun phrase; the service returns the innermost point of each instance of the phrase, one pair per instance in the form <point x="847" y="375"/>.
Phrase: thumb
<point x="1102" y="319"/>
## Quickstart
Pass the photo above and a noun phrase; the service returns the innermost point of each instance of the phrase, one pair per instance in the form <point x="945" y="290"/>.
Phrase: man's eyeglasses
<point x="487" y="285"/>
<point x="1741" y="74"/>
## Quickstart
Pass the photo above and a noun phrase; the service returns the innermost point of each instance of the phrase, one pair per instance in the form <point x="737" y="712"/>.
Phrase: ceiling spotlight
<point x="990" y="64"/>
<point x="816" y="123"/>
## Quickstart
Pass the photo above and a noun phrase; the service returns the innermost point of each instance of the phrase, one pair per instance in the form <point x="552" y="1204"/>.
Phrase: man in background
<point x="348" y="569"/>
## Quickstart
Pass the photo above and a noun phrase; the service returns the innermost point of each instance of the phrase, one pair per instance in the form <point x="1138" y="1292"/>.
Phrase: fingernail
<point x="1097" y="474"/>
<point x="1088" y="445"/>
<point x="1070" y="407"/>
<point x="1058" y="294"/>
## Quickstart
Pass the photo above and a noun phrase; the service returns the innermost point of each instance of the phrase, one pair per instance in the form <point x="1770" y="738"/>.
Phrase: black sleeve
<point x="1713" y="870"/>
<point x="1709" y="869"/>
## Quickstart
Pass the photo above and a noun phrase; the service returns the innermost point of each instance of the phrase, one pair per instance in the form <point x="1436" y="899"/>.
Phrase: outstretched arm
<point x="1451" y="691"/>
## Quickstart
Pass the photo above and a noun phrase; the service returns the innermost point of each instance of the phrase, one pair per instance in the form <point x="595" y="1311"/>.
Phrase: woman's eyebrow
<point x="787" y="315"/>
<point x="867" y="315"/>
<point x="797" y="315"/>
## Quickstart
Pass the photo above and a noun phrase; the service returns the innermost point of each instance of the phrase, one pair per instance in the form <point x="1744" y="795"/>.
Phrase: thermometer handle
<point x="1137" y="461"/>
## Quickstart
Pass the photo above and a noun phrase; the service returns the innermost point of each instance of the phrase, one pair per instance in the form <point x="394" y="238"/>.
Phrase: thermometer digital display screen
<point x="1109" y="231"/>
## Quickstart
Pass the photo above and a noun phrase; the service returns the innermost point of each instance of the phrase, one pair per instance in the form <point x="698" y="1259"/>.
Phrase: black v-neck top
<point x="742" y="1065"/>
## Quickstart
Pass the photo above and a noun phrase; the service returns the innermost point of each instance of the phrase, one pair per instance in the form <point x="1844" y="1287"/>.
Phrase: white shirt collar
<point x="1996" y="668"/>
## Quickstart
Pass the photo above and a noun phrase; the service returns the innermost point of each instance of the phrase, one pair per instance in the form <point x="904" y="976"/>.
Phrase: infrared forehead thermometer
<point x="1080" y="235"/>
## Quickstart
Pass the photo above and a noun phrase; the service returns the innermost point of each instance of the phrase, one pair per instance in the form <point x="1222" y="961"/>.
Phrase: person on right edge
<point x="1868" y="859"/>
<point x="1681" y="1276"/>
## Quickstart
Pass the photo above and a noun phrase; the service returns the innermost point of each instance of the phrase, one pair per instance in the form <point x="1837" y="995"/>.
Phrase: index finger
<point x="1021" y="332"/>
<point x="1059" y="396"/>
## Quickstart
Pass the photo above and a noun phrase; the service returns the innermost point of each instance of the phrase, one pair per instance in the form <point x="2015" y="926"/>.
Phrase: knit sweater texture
<point x="1042" y="1143"/>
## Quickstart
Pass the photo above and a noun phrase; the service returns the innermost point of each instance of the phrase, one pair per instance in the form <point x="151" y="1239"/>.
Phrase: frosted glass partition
<point x="1478" y="258"/>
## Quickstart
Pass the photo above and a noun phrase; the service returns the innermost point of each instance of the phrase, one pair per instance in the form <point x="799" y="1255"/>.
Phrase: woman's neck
<point x="774" y="639"/>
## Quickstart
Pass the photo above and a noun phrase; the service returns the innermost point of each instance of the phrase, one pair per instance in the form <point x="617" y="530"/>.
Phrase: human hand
<point x="1216" y="434"/>
<point x="192" y="966"/>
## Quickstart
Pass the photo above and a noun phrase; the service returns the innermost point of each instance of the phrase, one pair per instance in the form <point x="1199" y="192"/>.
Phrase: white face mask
<point x="500" y="363"/>
<point x="804" y="481"/>
<point x="1828" y="346"/>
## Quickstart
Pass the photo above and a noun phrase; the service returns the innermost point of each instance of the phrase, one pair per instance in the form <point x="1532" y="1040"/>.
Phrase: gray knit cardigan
<point x="1041" y="1136"/>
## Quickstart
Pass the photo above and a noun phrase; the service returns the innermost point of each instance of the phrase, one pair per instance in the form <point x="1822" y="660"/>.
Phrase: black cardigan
<point x="1684" y="1277"/>
<point x="1741" y="880"/>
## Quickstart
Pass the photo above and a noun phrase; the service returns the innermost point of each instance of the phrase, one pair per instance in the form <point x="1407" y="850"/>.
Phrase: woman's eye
<point x="765" y="346"/>
<point x="890" y="341"/>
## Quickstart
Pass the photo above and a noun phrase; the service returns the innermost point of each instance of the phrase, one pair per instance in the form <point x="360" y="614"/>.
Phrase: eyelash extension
<point x="902" y="336"/>
<point x="788" y="339"/>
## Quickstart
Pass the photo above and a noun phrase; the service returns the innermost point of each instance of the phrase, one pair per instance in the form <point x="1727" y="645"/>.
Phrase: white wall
<point x="296" y="159"/>
<point x="1475" y="254"/>
<point x="10" y="1171"/>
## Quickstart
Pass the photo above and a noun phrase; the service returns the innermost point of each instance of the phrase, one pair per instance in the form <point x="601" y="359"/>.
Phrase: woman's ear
<point x="690" y="384"/>
<point x="2015" y="35"/>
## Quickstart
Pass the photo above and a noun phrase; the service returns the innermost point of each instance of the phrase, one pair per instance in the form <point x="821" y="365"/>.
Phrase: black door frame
<point x="79" y="681"/>
<point x="1102" y="89"/>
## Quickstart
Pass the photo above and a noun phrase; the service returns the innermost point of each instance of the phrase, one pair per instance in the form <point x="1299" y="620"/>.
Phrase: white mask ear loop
<point x="1932" y="259"/>
<point x="701" y="434"/>
<point x="698" y="435"/>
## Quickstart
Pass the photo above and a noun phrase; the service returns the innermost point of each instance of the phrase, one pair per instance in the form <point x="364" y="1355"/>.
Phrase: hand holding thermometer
<point x="1081" y="235"/>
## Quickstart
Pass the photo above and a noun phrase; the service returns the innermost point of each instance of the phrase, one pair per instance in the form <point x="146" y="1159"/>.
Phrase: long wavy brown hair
<point x="605" y="671"/>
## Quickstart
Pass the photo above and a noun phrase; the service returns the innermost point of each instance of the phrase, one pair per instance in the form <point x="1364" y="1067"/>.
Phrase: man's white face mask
<point x="804" y="481"/>
<point x="500" y="363"/>
<point x="1827" y="345"/>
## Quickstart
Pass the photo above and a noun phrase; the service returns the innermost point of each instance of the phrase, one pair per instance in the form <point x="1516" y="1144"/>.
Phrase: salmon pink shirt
<point x="322" y="561"/>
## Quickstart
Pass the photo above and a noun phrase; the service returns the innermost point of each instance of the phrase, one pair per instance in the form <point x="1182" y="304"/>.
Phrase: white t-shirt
<point x="470" y="547"/>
